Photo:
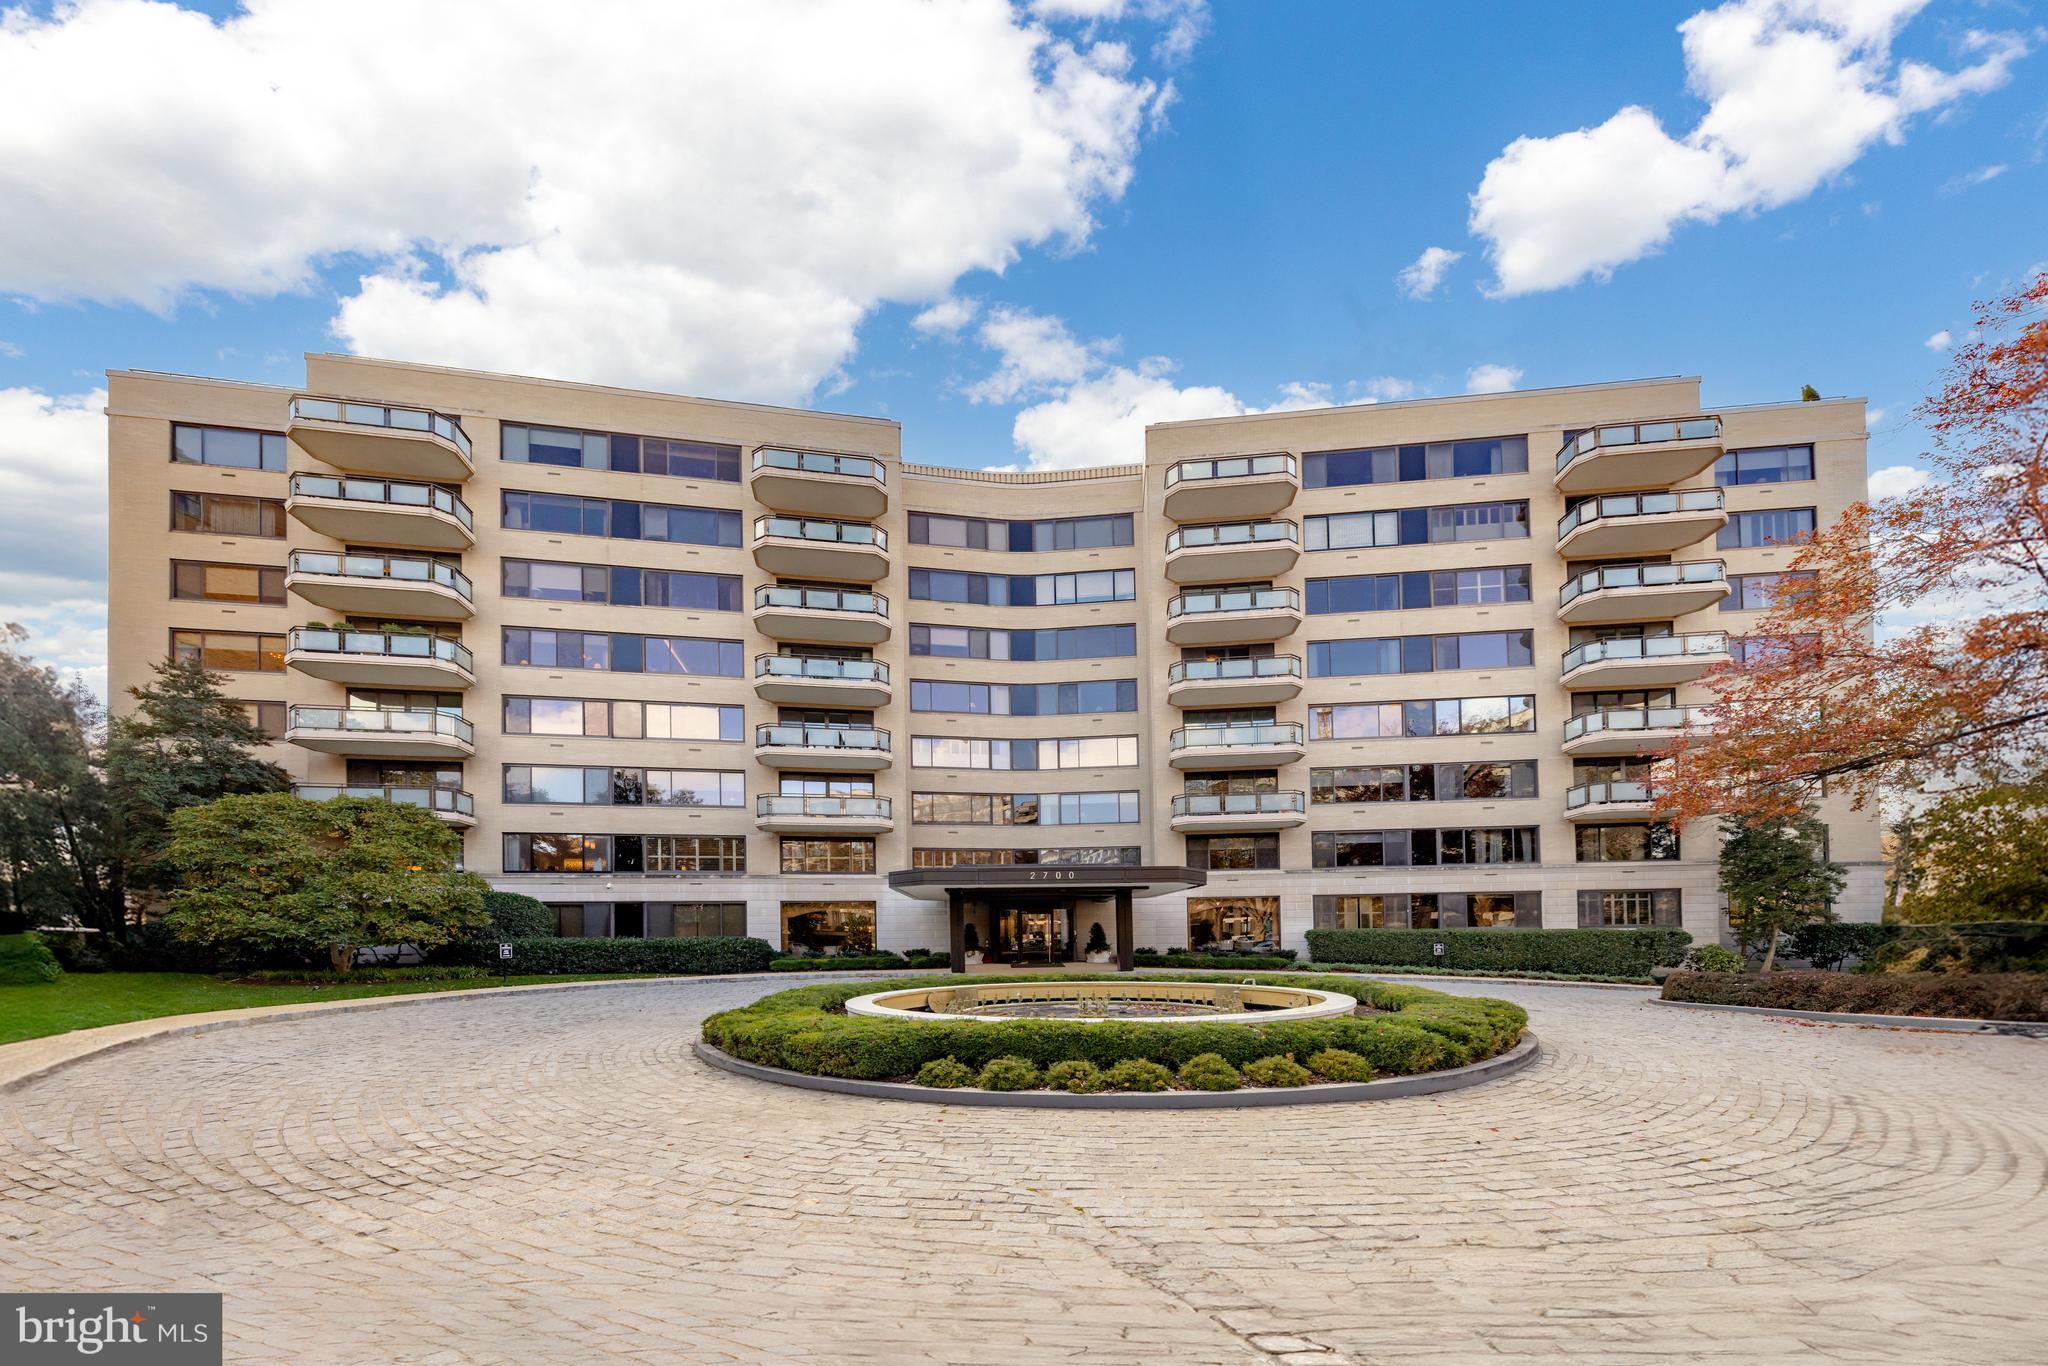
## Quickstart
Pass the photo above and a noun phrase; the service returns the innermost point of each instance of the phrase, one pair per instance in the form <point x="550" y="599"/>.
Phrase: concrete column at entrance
<point x="1124" y="930"/>
<point x="956" y="925"/>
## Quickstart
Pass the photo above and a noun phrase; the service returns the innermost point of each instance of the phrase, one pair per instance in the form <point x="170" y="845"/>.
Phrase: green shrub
<point x="1970" y="996"/>
<point x="151" y="947"/>
<point x="681" y="957"/>
<point x="1136" y="1074"/>
<point x="1008" y="1074"/>
<point x="945" y="1072"/>
<point x="514" y="916"/>
<point x="1713" y="958"/>
<point x="1335" y="1064"/>
<point x="1208" y="1072"/>
<point x="1608" y="953"/>
<point x="1968" y="946"/>
<point x="1827" y="944"/>
<point x="432" y="972"/>
<point x="1246" y="961"/>
<point x="849" y="962"/>
<point x="77" y="950"/>
<point x="1278" y="1071"/>
<point x="1082" y="1078"/>
<point x="25" y="961"/>
<point x="1517" y="974"/>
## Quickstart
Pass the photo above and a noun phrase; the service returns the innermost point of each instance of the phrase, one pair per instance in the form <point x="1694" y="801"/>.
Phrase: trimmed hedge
<point x="681" y="957"/>
<point x="805" y="1030"/>
<point x="1978" y="996"/>
<point x="515" y="916"/>
<point x="1269" y="962"/>
<point x="1970" y="946"/>
<point x="26" y="961"/>
<point x="1825" y="944"/>
<point x="315" y="977"/>
<point x="1606" y="953"/>
<point x="859" y="962"/>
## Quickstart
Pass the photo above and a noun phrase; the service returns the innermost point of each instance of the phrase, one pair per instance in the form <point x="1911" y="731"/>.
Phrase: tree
<point x="269" y="875"/>
<point x="1777" y="877"/>
<point x="1808" y="394"/>
<point x="55" y="827"/>
<point x="1978" y="856"/>
<point x="1958" y="699"/>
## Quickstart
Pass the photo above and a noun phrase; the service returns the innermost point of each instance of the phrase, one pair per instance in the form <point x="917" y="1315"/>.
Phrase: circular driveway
<point x="554" y="1177"/>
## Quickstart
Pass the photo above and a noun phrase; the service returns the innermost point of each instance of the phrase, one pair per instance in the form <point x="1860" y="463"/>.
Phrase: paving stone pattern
<point x="555" y="1178"/>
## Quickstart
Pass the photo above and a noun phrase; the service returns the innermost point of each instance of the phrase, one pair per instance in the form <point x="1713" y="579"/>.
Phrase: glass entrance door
<point x="1037" y="935"/>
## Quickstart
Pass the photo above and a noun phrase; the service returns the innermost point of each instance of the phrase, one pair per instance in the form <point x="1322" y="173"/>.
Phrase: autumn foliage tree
<point x="1951" y="691"/>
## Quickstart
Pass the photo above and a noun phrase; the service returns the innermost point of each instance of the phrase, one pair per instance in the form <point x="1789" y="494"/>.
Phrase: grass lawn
<point x="83" y="1000"/>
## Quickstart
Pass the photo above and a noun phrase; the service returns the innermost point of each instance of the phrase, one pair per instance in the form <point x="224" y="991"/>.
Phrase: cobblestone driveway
<point x="556" y="1178"/>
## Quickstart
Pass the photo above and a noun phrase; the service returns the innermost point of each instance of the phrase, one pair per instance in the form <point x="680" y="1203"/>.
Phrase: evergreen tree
<point x="54" y="819"/>
<point x="1777" y="877"/>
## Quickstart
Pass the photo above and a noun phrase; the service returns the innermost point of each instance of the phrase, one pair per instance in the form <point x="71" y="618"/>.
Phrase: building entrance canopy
<point x="1041" y="883"/>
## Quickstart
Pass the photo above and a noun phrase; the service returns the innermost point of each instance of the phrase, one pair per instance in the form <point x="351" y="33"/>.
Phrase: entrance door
<point x="1034" y="935"/>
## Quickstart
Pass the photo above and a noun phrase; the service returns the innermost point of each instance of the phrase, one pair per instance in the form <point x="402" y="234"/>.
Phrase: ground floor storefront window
<point x="1632" y="907"/>
<point x="1234" y="922"/>
<point x="828" y="926"/>
<point x="650" y="919"/>
<point x="1431" y="911"/>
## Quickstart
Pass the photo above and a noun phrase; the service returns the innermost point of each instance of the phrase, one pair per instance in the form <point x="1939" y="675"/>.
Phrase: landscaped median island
<point x="1400" y="1031"/>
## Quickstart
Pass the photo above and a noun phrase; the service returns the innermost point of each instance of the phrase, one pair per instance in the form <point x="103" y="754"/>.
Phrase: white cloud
<point x="11" y="351"/>
<point x="947" y="317"/>
<point x="1873" y="418"/>
<point x="1383" y="389"/>
<point x="1970" y="180"/>
<point x="1895" y="481"/>
<point x="53" y="525"/>
<point x="703" y="197"/>
<point x="1940" y="341"/>
<point x="1038" y="353"/>
<point x="1419" y="279"/>
<point x="1492" y="379"/>
<point x="1182" y="21"/>
<point x="1796" y="90"/>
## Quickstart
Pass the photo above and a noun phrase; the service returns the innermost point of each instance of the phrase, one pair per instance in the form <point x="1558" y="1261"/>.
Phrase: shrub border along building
<point x="1991" y="997"/>
<point x="1606" y="953"/>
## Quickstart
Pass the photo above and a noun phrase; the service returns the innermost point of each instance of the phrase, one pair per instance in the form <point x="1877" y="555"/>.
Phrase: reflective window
<point x="226" y="582"/>
<point x="1434" y="716"/>
<point x="1405" y="464"/>
<point x="222" y="514"/>
<point x="1478" y="781"/>
<point x="1625" y="843"/>
<point x="1233" y="922"/>
<point x="227" y="446"/>
<point x="1417" y="589"/>
<point x="1420" y="654"/>
<point x="969" y="858"/>
<point x="1422" y="848"/>
<point x="1770" y="526"/>
<point x="1758" y="592"/>
<point x="1630" y="908"/>
<point x="1764" y="465"/>
<point x="827" y="856"/>
<point x="1066" y="642"/>
<point x="1025" y="699"/>
<point x="832" y="927"/>
<point x="230" y="651"/>
<point x="1063" y="533"/>
<point x="669" y="456"/>
<point x="569" y="515"/>
<point x="1416" y="526"/>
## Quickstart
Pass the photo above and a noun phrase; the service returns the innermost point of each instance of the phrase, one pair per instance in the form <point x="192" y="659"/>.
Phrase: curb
<point x="1947" y="1024"/>
<point x="1332" y="1093"/>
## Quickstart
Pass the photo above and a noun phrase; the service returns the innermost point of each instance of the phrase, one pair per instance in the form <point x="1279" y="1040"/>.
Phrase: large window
<point x="1233" y="852"/>
<point x="1065" y="642"/>
<point x="1062" y="533"/>
<point x="1630" y="907"/>
<point x="1420" y="654"/>
<point x="623" y="720"/>
<point x="1430" y="911"/>
<point x="1765" y="465"/>
<point x="1417" y="588"/>
<point x="226" y="582"/>
<point x="1770" y="526"/>
<point x="537" y="853"/>
<point x="225" y="514"/>
<point x="554" y="785"/>
<point x="1422" y="848"/>
<point x="550" y="649"/>
<point x="1416" y="526"/>
<point x="268" y="717"/>
<point x="1233" y="922"/>
<point x="568" y="515"/>
<point x="1760" y="592"/>
<point x="557" y="853"/>
<point x="702" y="919"/>
<point x="828" y="856"/>
<point x="1481" y="781"/>
<point x="1025" y="699"/>
<point x="1023" y="808"/>
<point x="981" y="858"/>
<point x="1023" y="590"/>
<point x="227" y="446"/>
<point x="229" y="651"/>
<point x="1088" y="751"/>
<point x="630" y="454"/>
<point x="1626" y="843"/>
<point x="1406" y="464"/>
<point x="620" y="586"/>
<point x="1433" y="716"/>
<point x="829" y="926"/>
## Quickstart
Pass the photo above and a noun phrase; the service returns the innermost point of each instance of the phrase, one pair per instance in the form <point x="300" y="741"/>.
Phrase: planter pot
<point x="1102" y="956"/>
<point x="974" y="959"/>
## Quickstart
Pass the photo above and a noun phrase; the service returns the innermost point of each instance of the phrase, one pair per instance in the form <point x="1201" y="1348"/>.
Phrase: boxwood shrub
<point x="1969" y="996"/>
<point x="1606" y="953"/>
<point x="858" y="962"/>
<point x="805" y="1030"/>
<point x="684" y="957"/>
<point x="25" y="961"/>
<point x="1226" y="961"/>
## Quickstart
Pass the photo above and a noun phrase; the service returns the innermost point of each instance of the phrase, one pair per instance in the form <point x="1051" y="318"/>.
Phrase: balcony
<point x="1231" y="486"/>
<point x="406" y="587"/>
<point x="1624" y="524"/>
<point x="1238" y="744"/>
<point x="823" y="815"/>
<point x="378" y="659"/>
<point x="380" y="734"/>
<point x="1232" y="551"/>
<point x="1242" y="616"/>
<point x="381" y="511"/>
<point x="1233" y="682"/>
<point x="454" y="807"/>
<point x="804" y="548"/>
<point x="1231" y="812"/>
<point x="1652" y="662"/>
<point x="1638" y="455"/>
<point x="1642" y="592"/>
<point x="822" y="747"/>
<point x="1611" y="801"/>
<point x="819" y="483"/>
<point x="370" y="438"/>
<point x="823" y="616"/>
<point x="1630" y="730"/>
<point x="854" y="684"/>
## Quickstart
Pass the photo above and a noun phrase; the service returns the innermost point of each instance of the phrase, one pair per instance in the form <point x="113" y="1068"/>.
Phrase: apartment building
<point x="679" y="666"/>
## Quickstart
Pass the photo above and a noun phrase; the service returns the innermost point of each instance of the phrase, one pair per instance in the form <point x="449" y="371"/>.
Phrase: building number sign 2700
<point x="1053" y="875"/>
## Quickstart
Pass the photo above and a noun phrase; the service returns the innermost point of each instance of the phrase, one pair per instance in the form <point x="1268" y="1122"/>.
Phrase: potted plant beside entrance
<point x="1098" y="944"/>
<point x="971" y="937"/>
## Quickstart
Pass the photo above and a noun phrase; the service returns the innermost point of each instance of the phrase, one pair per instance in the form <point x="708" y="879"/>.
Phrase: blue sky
<point x="1021" y="230"/>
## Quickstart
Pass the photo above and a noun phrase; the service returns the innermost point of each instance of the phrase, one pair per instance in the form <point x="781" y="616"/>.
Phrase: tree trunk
<point x="1771" y="953"/>
<point x="340" y="957"/>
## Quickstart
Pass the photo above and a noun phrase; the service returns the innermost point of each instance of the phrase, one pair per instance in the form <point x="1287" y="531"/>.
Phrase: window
<point x="267" y="717"/>
<point x="1227" y="852"/>
<point x="557" y="649"/>
<point x="1405" y="464"/>
<point x="699" y="919"/>
<point x="228" y="447"/>
<point x="1771" y="526"/>
<point x="547" y="785"/>
<point x="558" y="853"/>
<point x="1422" y="848"/>
<point x="1435" y="716"/>
<point x="623" y="720"/>
<point x="1351" y="913"/>
<point x="1025" y="699"/>
<point x="223" y="514"/>
<point x="1420" y="654"/>
<point x="1417" y="589"/>
<point x="1023" y="808"/>
<point x="1490" y="911"/>
<point x="1626" y="843"/>
<point x="226" y="582"/>
<point x="1416" y="526"/>
<point x="1090" y="751"/>
<point x="555" y="582"/>
<point x="622" y="587"/>
<point x="1480" y="781"/>
<point x="1023" y="590"/>
<point x="1064" y="533"/>
<point x="622" y="653"/>
<point x="974" y="858"/>
<point x="1758" y="649"/>
<point x="1629" y="908"/>
<point x="1764" y="465"/>
<point x="566" y="514"/>
<point x="630" y="454"/>
<point x="1233" y="922"/>
<point x="1068" y="642"/>
<point x="230" y="651"/>
<point x="1759" y="592"/>
<point x="684" y="853"/>
<point x="828" y="856"/>
<point x="828" y="926"/>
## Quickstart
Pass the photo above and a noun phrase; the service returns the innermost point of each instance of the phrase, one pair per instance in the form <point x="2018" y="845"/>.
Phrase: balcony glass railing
<point x="826" y="670"/>
<point x="1229" y="534"/>
<point x="794" y="735"/>
<point x="822" y="599"/>
<point x="1615" y="505"/>
<point x="374" y="721"/>
<point x="811" y="529"/>
<point x="1691" y="572"/>
<point x="391" y="492"/>
<point x="1633" y="720"/>
<point x="1606" y="794"/>
<point x="395" y="568"/>
<point x="1237" y="735"/>
<point x="1640" y="434"/>
<point x="1229" y="467"/>
<point x="1213" y="670"/>
<point x="1234" y="600"/>
<point x="1241" y="804"/>
<point x="442" y="799"/>
<point x="380" y="645"/>
<point x="377" y="415"/>
<point x="1699" y="643"/>
<point x="833" y="808"/>
<point x="817" y="462"/>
